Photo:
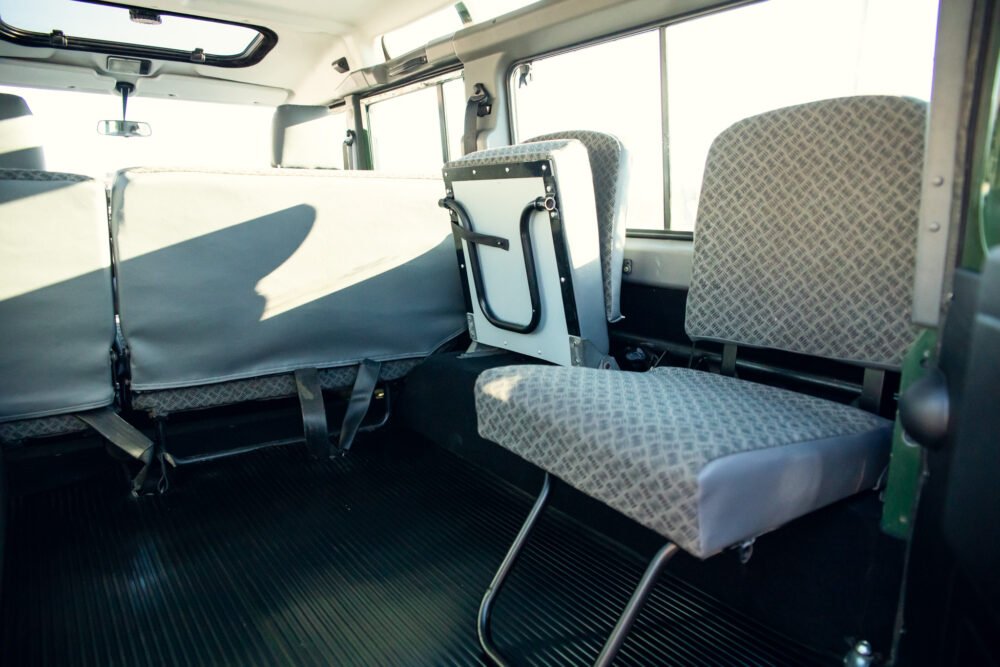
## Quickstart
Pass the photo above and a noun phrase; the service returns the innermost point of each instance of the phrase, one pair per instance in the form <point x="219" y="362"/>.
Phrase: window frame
<point x="259" y="47"/>
<point x="436" y="80"/>
<point x="661" y="27"/>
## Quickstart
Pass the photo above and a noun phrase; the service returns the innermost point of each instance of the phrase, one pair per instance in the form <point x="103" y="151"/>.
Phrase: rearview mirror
<point x="123" y="128"/>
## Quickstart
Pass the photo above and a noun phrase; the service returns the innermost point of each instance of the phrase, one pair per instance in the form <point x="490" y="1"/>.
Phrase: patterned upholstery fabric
<point x="166" y="401"/>
<point x="608" y="164"/>
<point x="639" y="442"/>
<point x="539" y="150"/>
<point x="37" y="428"/>
<point x="806" y="230"/>
<point x="39" y="175"/>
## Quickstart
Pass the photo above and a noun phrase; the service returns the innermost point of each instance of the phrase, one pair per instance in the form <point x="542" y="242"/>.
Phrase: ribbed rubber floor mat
<point x="377" y="559"/>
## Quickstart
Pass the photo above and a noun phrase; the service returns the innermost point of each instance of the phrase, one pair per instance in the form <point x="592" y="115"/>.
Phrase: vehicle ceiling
<point x="311" y="36"/>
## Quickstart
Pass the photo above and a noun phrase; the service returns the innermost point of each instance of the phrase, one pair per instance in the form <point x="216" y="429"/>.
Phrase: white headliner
<point x="311" y="35"/>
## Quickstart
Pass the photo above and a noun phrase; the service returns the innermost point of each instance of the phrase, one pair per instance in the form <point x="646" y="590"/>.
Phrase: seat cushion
<point x="707" y="461"/>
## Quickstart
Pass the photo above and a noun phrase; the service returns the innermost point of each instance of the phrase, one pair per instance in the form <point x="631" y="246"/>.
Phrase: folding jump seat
<point x="805" y="242"/>
<point x="57" y="320"/>
<point x="539" y="233"/>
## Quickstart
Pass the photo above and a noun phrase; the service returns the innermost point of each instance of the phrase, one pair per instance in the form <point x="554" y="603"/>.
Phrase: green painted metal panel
<point x="906" y="463"/>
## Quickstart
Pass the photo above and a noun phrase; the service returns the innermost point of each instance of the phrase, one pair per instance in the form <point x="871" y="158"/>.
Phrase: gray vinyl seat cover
<point x="805" y="241"/>
<point x="230" y="281"/>
<point x="56" y="311"/>
<point x="56" y="308"/>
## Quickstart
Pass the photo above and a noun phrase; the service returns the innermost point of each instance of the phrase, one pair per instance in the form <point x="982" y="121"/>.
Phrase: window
<point x="185" y="134"/>
<point x="418" y="127"/>
<point x="561" y="93"/>
<point x="716" y="70"/>
<point x="123" y="30"/>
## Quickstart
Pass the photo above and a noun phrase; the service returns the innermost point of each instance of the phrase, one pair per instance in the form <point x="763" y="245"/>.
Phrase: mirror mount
<point x="124" y="89"/>
<point x="123" y="127"/>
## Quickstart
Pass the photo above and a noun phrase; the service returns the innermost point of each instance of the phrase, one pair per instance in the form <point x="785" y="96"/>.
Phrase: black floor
<point x="377" y="559"/>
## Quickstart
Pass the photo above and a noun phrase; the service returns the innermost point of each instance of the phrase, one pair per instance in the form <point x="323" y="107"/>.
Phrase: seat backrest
<point x="56" y="310"/>
<point x="232" y="275"/>
<point x="20" y="137"/>
<point x="609" y="169"/>
<point x="806" y="231"/>
<point x="537" y="287"/>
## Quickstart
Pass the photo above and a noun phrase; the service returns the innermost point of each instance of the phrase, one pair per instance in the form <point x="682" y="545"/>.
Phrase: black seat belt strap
<point x="314" y="425"/>
<point x="123" y="436"/>
<point x="729" y="359"/>
<point x="361" y="399"/>
<point x="871" y="390"/>
<point x="479" y="105"/>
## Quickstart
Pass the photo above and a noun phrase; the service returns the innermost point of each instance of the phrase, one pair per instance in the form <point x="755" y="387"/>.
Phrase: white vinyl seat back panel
<point x="495" y="188"/>
<point x="56" y="309"/>
<point x="609" y="167"/>
<point x="231" y="275"/>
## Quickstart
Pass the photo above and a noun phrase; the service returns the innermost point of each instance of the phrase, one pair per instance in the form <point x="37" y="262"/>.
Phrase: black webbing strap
<point x="871" y="390"/>
<point x="728" y="359"/>
<point x="482" y="239"/>
<point x="313" y="412"/>
<point x="361" y="399"/>
<point x="479" y="105"/>
<point x="124" y="437"/>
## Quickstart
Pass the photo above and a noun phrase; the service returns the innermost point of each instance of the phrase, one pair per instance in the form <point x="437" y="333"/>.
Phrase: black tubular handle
<point x="463" y="228"/>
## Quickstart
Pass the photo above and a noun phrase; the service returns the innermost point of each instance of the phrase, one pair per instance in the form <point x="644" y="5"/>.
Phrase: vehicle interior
<point x="499" y="332"/>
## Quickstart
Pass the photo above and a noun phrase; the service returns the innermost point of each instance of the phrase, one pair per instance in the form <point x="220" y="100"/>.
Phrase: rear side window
<point x="199" y="135"/>
<point x="417" y="127"/>
<point x="667" y="93"/>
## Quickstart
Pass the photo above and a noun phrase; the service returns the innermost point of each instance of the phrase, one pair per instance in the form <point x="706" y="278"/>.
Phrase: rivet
<point x="937" y="181"/>
<point x="548" y="188"/>
<point x="934" y="227"/>
<point x="446" y="173"/>
<point x="544" y="168"/>
<point x="562" y="279"/>
<point x="473" y="171"/>
<point x="507" y="169"/>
